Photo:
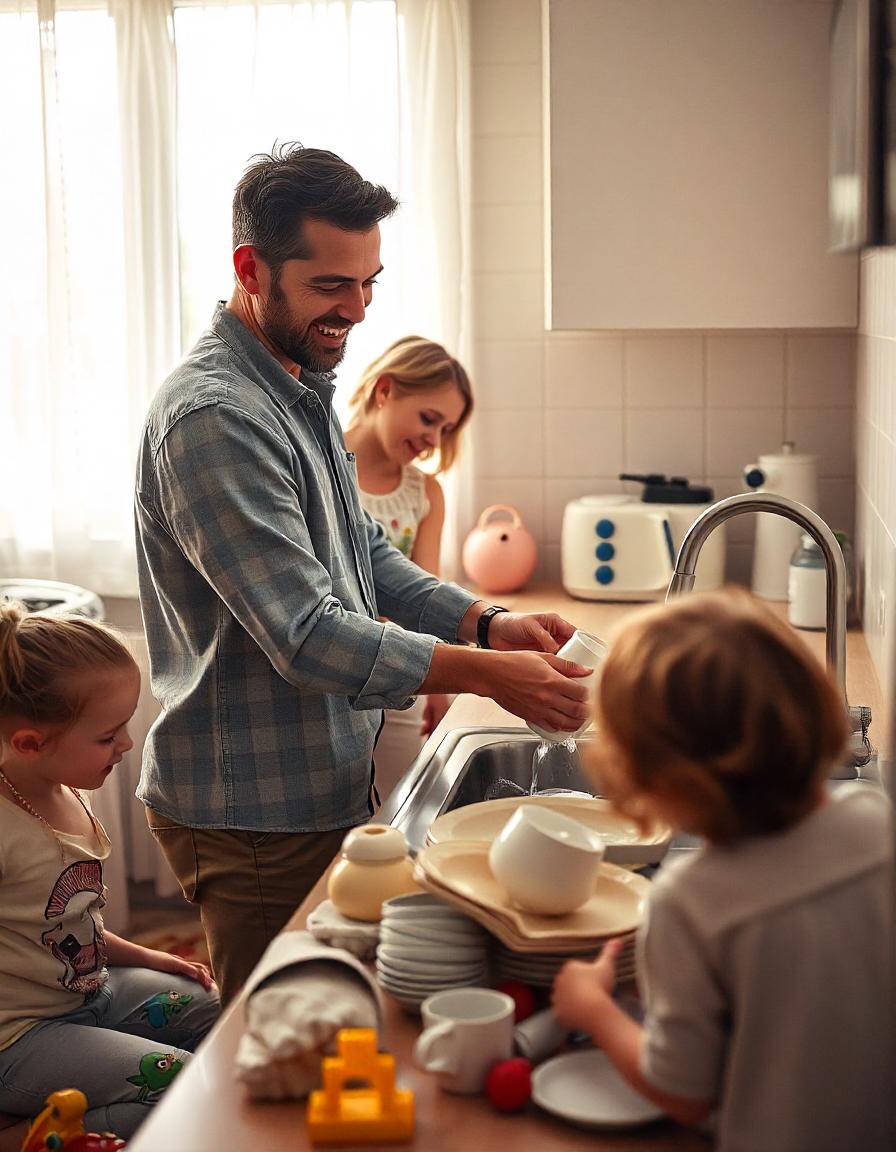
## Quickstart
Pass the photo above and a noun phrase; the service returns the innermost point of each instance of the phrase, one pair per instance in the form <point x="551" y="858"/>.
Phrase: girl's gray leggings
<point x="122" y="1049"/>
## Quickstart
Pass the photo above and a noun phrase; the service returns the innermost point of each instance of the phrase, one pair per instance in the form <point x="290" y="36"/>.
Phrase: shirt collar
<point x="274" y="377"/>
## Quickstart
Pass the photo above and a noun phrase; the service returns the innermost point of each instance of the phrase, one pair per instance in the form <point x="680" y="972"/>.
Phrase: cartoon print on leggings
<point x="76" y="940"/>
<point x="159" y="1009"/>
<point x="157" y="1070"/>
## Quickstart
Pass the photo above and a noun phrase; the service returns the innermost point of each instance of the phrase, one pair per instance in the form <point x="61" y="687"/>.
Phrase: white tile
<point x="583" y="443"/>
<point x="829" y="433"/>
<point x="506" y="31"/>
<point x="583" y="371"/>
<point x="506" y="99"/>
<point x="744" y="371"/>
<point x="508" y="444"/>
<point x="663" y="371"/>
<point x="507" y="374"/>
<point x="664" y="440"/>
<point x="559" y="492"/>
<point x="508" y="170"/>
<point x="821" y="370"/>
<point x="508" y="305"/>
<point x="525" y="494"/>
<point x="836" y="504"/>
<point x="739" y="564"/>
<point x="736" y="436"/>
<point x="551" y="566"/>
<point x="507" y="238"/>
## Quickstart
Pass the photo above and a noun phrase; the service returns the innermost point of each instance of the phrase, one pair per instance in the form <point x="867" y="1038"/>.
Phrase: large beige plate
<point x="462" y="869"/>
<point x="625" y="844"/>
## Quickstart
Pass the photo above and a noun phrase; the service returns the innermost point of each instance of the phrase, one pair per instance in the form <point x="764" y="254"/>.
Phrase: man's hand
<point x="528" y="632"/>
<point x="541" y="689"/>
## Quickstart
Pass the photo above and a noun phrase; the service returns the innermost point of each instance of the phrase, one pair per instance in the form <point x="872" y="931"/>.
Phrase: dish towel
<point x="299" y="996"/>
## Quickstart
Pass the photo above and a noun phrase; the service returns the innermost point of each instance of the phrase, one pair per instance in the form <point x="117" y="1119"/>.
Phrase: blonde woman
<point x="410" y="406"/>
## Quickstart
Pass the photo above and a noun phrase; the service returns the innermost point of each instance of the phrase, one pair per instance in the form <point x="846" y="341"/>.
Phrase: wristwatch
<point x="482" y="625"/>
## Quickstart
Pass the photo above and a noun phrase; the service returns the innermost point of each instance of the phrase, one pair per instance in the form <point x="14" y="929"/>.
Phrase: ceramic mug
<point x="465" y="1032"/>
<point x="547" y="862"/>
<point x="587" y="650"/>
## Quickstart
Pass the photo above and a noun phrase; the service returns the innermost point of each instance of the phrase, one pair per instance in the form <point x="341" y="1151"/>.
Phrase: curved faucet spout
<point x="683" y="577"/>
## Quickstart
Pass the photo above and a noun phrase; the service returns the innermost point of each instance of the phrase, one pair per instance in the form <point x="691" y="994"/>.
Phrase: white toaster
<point x="619" y="547"/>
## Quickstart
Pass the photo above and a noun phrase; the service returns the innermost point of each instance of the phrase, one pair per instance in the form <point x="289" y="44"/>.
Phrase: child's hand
<point x="581" y="988"/>
<point x="437" y="704"/>
<point x="177" y="966"/>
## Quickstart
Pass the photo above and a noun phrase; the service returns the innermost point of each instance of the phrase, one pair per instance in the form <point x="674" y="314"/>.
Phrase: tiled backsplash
<point x="876" y="464"/>
<point x="560" y="414"/>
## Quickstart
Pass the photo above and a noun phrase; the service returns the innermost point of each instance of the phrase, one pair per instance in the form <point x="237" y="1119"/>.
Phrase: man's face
<point x="314" y="303"/>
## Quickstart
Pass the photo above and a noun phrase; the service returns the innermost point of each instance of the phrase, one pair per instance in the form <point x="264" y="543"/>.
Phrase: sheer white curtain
<point x="126" y="124"/>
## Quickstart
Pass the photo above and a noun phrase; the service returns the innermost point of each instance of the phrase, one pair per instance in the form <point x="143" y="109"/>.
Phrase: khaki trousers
<point x="246" y="885"/>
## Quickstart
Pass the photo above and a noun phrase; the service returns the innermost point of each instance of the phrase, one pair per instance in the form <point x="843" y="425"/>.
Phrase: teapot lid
<point x="375" y="842"/>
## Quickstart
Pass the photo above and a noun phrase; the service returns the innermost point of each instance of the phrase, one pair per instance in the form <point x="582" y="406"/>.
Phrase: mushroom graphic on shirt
<point x="77" y="939"/>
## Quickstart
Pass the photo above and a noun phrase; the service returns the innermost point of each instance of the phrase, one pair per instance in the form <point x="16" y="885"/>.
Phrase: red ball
<point x="522" y="996"/>
<point x="509" y="1084"/>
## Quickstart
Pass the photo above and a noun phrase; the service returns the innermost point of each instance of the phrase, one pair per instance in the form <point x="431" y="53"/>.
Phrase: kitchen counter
<point x="206" y="1111"/>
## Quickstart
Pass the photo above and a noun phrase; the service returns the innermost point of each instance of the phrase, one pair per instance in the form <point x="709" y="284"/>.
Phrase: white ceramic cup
<point x="465" y="1032"/>
<point x="547" y="862"/>
<point x="584" y="649"/>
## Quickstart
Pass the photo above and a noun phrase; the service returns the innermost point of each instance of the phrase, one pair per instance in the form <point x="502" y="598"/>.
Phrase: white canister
<point x="785" y="473"/>
<point x="807" y="586"/>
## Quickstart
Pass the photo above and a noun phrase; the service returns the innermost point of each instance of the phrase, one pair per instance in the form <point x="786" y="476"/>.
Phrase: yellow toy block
<point x="378" y="1113"/>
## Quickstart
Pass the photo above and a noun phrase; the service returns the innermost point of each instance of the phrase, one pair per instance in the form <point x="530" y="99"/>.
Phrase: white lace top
<point x="401" y="510"/>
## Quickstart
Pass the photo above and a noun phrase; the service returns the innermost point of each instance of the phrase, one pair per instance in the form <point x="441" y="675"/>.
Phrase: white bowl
<point x="547" y="862"/>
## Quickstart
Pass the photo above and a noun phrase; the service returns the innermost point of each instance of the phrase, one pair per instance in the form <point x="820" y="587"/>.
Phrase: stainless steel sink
<point x="474" y="764"/>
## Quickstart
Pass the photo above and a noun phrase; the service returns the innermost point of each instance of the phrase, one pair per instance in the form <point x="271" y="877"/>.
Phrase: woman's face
<point x="412" y="424"/>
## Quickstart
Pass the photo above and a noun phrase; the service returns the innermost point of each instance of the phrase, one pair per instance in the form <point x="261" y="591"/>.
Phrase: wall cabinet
<point x="688" y="166"/>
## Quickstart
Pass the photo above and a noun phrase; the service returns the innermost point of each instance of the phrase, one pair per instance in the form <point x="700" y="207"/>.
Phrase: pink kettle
<point x="499" y="555"/>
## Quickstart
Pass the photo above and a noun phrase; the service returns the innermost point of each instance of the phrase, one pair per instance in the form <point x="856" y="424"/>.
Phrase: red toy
<point x="509" y="1084"/>
<point x="522" y="996"/>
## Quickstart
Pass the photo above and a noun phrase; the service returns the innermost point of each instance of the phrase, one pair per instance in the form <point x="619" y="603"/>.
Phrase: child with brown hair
<point x="766" y="954"/>
<point x="411" y="404"/>
<point x="79" y="1007"/>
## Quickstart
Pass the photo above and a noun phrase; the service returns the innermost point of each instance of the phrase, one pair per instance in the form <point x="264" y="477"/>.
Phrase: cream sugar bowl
<point x="547" y="862"/>
<point x="374" y="866"/>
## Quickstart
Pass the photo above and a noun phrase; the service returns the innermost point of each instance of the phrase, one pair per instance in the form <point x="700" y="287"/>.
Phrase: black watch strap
<point x="483" y="623"/>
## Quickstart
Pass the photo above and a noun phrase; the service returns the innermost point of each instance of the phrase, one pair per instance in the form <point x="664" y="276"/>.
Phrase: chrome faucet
<point x="835" y="640"/>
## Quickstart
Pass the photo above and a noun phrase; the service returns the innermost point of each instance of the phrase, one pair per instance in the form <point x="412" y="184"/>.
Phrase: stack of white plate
<point x="426" y="946"/>
<point x="538" y="969"/>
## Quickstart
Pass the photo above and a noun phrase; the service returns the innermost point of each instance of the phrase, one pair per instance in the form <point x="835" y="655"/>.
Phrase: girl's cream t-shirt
<point x="52" y="947"/>
<point x="401" y="510"/>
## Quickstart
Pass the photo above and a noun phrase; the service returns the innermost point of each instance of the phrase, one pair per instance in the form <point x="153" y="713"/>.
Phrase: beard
<point x="279" y="325"/>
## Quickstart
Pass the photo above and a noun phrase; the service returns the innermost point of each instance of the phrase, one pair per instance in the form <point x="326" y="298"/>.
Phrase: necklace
<point x="23" y="803"/>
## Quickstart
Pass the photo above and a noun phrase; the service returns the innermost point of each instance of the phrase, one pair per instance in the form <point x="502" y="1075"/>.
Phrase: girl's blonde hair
<point x="716" y="707"/>
<point x="415" y="364"/>
<point x="43" y="662"/>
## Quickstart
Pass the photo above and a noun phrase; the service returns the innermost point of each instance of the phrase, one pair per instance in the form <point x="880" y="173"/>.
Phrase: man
<point x="262" y="580"/>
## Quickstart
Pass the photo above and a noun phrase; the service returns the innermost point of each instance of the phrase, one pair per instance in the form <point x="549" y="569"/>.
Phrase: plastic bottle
<point x="807" y="586"/>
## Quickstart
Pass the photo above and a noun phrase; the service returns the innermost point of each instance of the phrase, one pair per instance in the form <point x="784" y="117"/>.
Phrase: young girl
<point x="79" y="1007"/>
<point x="410" y="404"/>
<point x="766" y="954"/>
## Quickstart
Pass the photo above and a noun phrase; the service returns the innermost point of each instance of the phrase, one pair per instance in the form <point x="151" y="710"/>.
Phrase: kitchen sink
<point x="475" y="764"/>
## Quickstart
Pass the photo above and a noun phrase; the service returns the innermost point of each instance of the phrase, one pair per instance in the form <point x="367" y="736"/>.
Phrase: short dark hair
<point x="280" y="190"/>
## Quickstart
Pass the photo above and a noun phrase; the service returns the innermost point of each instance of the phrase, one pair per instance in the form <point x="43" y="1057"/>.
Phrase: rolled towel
<point x="298" y="998"/>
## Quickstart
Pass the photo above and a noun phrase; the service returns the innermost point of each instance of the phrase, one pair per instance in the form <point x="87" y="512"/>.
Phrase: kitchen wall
<point x="560" y="414"/>
<point x="876" y="452"/>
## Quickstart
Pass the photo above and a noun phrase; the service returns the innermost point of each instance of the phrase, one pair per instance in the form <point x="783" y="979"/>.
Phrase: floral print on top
<point x="401" y="510"/>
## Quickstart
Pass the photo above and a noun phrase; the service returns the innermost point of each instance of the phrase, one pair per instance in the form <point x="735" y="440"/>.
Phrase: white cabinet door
<point x="688" y="166"/>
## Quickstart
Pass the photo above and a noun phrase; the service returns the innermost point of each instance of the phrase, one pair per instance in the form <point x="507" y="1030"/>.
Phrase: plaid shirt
<point x="261" y="578"/>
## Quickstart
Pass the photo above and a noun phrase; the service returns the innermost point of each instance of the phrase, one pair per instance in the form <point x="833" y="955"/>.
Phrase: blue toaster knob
<point x="605" y="551"/>
<point x="605" y="529"/>
<point x="603" y="574"/>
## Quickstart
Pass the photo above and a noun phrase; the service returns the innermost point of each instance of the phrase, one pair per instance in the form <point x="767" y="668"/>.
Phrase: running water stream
<point x="562" y="762"/>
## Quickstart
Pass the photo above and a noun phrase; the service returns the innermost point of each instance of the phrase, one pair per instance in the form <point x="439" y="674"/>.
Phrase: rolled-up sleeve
<point x="411" y="596"/>
<point x="233" y="497"/>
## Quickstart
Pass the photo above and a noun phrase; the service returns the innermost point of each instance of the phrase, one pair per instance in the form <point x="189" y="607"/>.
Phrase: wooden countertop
<point x="205" y="1110"/>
